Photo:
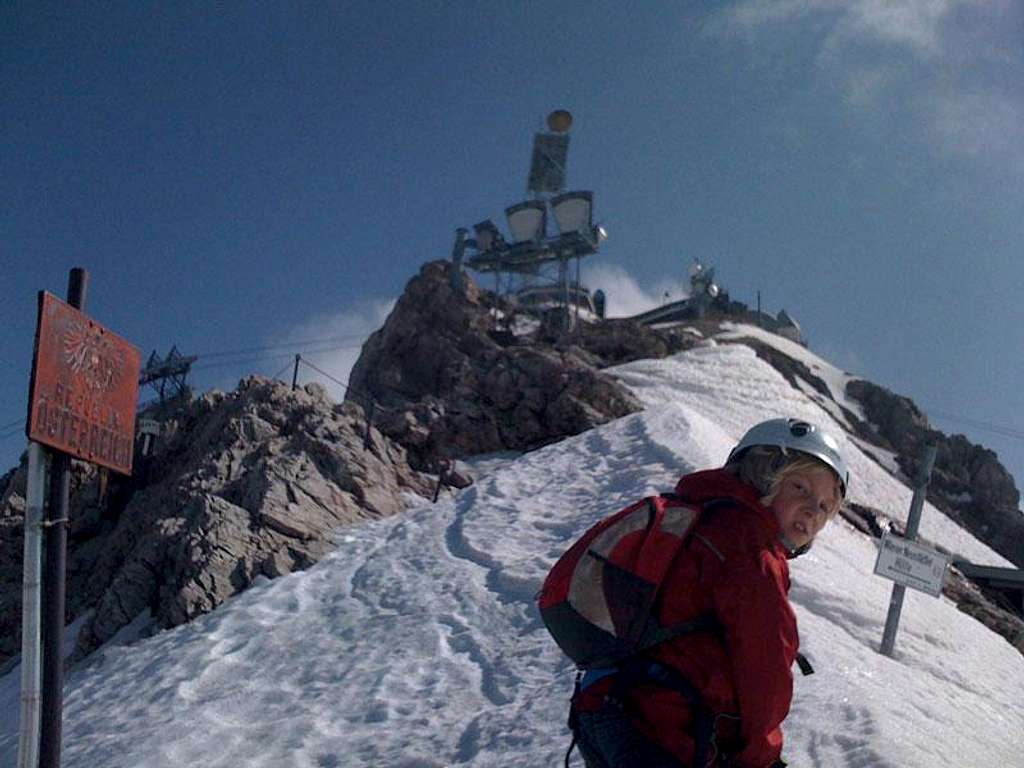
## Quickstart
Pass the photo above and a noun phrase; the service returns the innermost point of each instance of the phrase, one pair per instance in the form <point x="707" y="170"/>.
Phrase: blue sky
<point x="273" y="174"/>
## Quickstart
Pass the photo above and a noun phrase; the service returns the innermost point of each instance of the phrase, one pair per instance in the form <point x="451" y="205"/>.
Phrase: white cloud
<point x="914" y="25"/>
<point x="755" y="13"/>
<point x="950" y="66"/>
<point x="866" y="86"/>
<point x="332" y="342"/>
<point x="911" y="24"/>
<point x="979" y="124"/>
<point x="624" y="295"/>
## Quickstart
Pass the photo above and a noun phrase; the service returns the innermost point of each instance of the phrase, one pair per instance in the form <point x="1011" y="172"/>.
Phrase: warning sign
<point x="85" y="384"/>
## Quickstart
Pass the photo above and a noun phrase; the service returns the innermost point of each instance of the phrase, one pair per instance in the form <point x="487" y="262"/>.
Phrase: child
<point x="719" y="696"/>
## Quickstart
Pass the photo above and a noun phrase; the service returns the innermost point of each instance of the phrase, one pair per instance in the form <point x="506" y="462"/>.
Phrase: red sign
<point x="85" y="385"/>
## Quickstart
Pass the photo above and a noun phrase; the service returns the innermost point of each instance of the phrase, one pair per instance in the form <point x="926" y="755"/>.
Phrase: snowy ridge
<point x="416" y="644"/>
<point x="732" y="388"/>
<point x="835" y="379"/>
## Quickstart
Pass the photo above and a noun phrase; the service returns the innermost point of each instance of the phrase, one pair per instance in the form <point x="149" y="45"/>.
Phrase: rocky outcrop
<point x="899" y="425"/>
<point x="250" y="483"/>
<point x="619" y="341"/>
<point x="444" y="381"/>
<point x="968" y="482"/>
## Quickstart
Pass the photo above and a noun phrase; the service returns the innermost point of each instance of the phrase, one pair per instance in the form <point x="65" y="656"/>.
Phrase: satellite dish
<point x="560" y="121"/>
<point x="713" y="291"/>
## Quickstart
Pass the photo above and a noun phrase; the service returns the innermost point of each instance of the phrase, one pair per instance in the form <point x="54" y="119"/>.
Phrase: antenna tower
<point x="535" y="263"/>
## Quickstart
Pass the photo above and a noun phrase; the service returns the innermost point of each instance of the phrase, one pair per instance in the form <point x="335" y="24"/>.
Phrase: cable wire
<point x="1011" y="432"/>
<point x="285" y="344"/>
<point x="339" y="382"/>
<point x="346" y="386"/>
<point x="274" y="377"/>
<point x="277" y="356"/>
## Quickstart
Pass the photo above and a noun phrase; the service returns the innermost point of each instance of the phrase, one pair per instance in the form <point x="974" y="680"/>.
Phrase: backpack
<point x="598" y="599"/>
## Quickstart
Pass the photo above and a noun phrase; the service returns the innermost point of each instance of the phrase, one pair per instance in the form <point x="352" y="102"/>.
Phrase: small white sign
<point x="149" y="427"/>
<point x="911" y="564"/>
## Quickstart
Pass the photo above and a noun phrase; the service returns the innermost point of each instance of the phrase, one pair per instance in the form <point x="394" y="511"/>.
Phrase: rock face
<point x="250" y="483"/>
<point x="445" y="383"/>
<point x="968" y="483"/>
<point x="619" y="341"/>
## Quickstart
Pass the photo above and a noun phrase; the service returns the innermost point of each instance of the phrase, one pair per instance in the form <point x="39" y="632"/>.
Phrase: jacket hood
<point x="722" y="485"/>
<point x="711" y="484"/>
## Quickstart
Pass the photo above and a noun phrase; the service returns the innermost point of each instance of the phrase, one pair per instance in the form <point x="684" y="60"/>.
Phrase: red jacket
<point x="734" y="568"/>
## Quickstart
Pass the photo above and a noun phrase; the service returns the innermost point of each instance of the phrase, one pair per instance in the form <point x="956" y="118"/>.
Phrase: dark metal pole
<point x="442" y="473"/>
<point x="54" y="575"/>
<point x="295" y="374"/>
<point x="458" y="250"/>
<point x="369" y="423"/>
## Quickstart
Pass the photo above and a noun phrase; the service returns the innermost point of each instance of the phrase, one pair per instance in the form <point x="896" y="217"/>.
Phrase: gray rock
<point x="446" y="383"/>
<point x="249" y="483"/>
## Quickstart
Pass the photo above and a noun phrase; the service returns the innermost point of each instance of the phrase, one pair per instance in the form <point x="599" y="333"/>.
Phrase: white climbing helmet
<point x="796" y="435"/>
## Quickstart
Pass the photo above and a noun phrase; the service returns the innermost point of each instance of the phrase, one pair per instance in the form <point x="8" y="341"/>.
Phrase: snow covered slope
<point x="417" y="645"/>
<point x="835" y="379"/>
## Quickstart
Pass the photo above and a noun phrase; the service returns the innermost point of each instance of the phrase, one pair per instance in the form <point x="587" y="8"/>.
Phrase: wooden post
<point x="295" y="373"/>
<point x="54" y="573"/>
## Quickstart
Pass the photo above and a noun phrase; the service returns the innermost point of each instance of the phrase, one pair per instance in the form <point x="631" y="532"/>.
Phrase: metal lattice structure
<point x="167" y="374"/>
<point x="533" y="263"/>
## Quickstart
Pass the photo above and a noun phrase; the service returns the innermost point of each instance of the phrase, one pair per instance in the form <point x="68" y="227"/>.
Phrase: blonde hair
<point x="801" y="463"/>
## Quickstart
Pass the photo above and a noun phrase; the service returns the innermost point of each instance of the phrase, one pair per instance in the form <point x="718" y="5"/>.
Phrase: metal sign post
<point x="82" y="398"/>
<point x="892" y="621"/>
<point x="31" y="609"/>
<point x="54" y="569"/>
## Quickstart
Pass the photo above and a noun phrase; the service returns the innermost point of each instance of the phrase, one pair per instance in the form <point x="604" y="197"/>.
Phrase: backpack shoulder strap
<point x="656" y="635"/>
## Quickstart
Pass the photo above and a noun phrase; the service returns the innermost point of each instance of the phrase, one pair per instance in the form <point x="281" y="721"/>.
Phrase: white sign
<point x="149" y="427"/>
<point x="911" y="564"/>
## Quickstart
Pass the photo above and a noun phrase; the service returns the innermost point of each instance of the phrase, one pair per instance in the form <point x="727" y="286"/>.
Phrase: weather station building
<point x="707" y="300"/>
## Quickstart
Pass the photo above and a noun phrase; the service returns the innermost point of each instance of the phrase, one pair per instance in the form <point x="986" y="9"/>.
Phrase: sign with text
<point x="149" y="427"/>
<point x="911" y="564"/>
<point x="85" y="385"/>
